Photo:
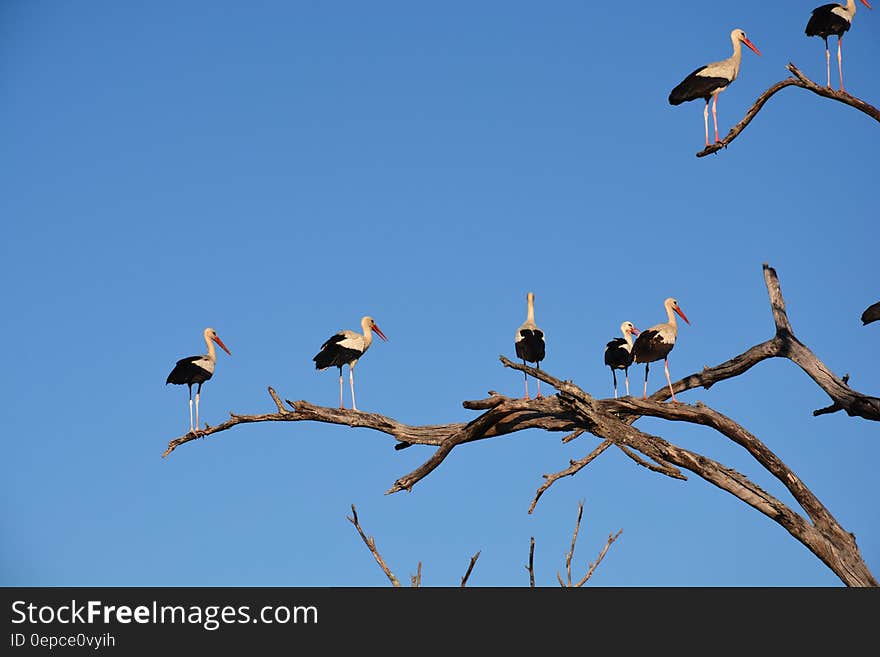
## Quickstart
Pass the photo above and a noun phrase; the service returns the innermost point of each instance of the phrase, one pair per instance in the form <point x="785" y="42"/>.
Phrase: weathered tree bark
<point x="802" y="81"/>
<point x="575" y="412"/>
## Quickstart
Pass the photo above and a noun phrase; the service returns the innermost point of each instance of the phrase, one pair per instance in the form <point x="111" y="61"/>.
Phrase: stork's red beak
<point x="756" y="51"/>
<point x="220" y="342"/>
<point x="634" y="330"/>
<point x="681" y="314"/>
<point x="379" y="332"/>
<point x="865" y="2"/>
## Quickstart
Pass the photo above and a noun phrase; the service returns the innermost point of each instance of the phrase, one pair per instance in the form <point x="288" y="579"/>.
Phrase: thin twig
<point x="371" y="544"/>
<point x="595" y="564"/>
<point x="574" y="466"/>
<point x="470" y="568"/>
<point x="570" y="555"/>
<point x="531" y="566"/>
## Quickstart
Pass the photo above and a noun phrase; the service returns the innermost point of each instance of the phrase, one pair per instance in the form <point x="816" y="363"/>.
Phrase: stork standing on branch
<point x="529" y="342"/>
<point x="832" y="19"/>
<point x="197" y="369"/>
<point x="345" y="348"/>
<point x="618" y="354"/>
<point x="710" y="80"/>
<point x="656" y="342"/>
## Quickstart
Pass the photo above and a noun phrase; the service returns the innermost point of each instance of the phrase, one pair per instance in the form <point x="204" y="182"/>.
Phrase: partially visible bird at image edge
<point x="871" y="314"/>
<point x="833" y="19"/>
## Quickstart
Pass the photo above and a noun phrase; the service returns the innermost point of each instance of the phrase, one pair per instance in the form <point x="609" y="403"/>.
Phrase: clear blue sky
<point x="276" y="170"/>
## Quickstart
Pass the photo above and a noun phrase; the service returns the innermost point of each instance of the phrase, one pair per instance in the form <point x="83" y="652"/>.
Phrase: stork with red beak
<point x="832" y="19"/>
<point x="345" y="348"/>
<point x="656" y="342"/>
<point x="710" y="80"/>
<point x="196" y="370"/>
<point x="618" y="354"/>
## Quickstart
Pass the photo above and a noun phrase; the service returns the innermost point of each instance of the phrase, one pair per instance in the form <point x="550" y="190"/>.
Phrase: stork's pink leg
<point x="839" y="63"/>
<point x="828" y="62"/>
<point x="538" y="365"/>
<point x="341" y="405"/>
<point x="645" y="393"/>
<point x="706" y="121"/>
<point x="526" y="379"/>
<point x="191" y="413"/>
<point x="351" y="383"/>
<point x="715" y="117"/>
<point x="668" y="380"/>
<point x="627" y="384"/>
<point x="614" y="378"/>
<point x="197" y="412"/>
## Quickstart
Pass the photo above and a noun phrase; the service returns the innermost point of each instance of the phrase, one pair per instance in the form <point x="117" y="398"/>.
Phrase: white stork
<point x="197" y="369"/>
<point x="345" y="348"/>
<point x="618" y="353"/>
<point x="656" y="342"/>
<point x="710" y="80"/>
<point x="832" y="19"/>
<point x="529" y="342"/>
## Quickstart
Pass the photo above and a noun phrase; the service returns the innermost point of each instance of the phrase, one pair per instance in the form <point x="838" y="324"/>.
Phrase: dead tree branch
<point x="469" y="569"/>
<point x="575" y="412"/>
<point x="570" y="554"/>
<point x="799" y="80"/>
<point x="371" y="545"/>
<point x="531" y="566"/>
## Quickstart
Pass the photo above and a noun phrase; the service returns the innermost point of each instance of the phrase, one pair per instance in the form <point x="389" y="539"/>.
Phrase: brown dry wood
<point x="802" y="81"/>
<point x="574" y="412"/>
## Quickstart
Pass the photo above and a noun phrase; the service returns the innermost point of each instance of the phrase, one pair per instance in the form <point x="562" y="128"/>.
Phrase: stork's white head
<point x="211" y="334"/>
<point x="672" y="305"/>
<point x="368" y="324"/>
<point x="739" y="35"/>
<point x="627" y="328"/>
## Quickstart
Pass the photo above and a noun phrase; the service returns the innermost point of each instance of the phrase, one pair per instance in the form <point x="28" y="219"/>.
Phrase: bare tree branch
<point x="574" y="467"/>
<point x="371" y="544"/>
<point x="833" y="408"/>
<point x="469" y="569"/>
<point x="531" y="566"/>
<point x="595" y="564"/>
<point x="574" y="412"/>
<point x="568" y="556"/>
<point x="800" y="80"/>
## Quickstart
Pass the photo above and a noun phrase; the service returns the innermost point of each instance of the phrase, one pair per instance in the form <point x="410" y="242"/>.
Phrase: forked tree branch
<point x="575" y="412"/>
<point x="569" y="583"/>
<point x="800" y="80"/>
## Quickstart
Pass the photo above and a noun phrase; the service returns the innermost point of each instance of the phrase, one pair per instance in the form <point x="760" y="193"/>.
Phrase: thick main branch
<point x="575" y="412"/>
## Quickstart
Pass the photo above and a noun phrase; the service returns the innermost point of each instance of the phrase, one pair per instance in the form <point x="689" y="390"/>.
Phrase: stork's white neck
<point x="367" y="327"/>
<point x="671" y="318"/>
<point x="212" y="354"/>
<point x="736" y="58"/>
<point x="530" y="316"/>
